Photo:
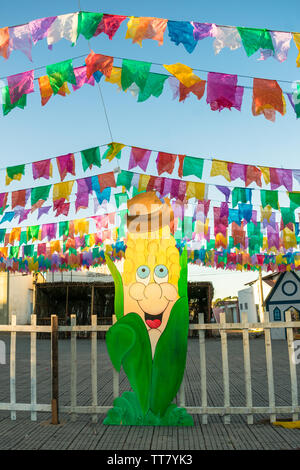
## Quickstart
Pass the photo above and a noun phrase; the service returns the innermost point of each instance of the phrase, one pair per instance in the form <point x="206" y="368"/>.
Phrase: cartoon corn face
<point x="149" y="338"/>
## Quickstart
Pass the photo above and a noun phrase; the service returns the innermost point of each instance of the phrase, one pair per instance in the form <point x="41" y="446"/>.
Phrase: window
<point x="241" y="306"/>
<point x="277" y="314"/>
<point x="246" y="306"/>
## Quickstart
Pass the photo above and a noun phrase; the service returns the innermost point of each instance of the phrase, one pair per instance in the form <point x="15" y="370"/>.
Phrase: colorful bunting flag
<point x="90" y="157"/>
<point x="39" y="28"/>
<point x="19" y="85"/>
<point x="4" y="42"/>
<point x="65" y="165"/>
<point x="141" y="28"/>
<point x="113" y="151"/>
<point x="88" y="23"/>
<point x="223" y="92"/>
<point x="42" y="169"/>
<point x="95" y="62"/>
<point x="267" y="98"/>
<point x="134" y="72"/>
<point x="109" y="25"/>
<point x="139" y="157"/>
<point x="7" y="106"/>
<point x="64" y="26"/>
<point x="60" y="73"/>
<point x="182" y="32"/>
<point x="20" y="39"/>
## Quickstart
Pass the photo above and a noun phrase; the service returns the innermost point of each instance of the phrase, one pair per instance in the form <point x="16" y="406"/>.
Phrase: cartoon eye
<point x="142" y="273"/>
<point x="161" y="273"/>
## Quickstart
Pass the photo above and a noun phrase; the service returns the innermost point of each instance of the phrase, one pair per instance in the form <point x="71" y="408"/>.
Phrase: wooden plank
<point x="294" y="387"/>
<point x="247" y="366"/>
<point x="73" y="369"/>
<point x="33" y="368"/>
<point x="13" y="415"/>
<point x="225" y="367"/>
<point x="202" y="367"/>
<point x="269" y="362"/>
<point x="94" y="369"/>
<point x="54" y="369"/>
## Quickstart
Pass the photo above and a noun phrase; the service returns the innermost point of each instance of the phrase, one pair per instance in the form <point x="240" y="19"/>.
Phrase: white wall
<point x="20" y="297"/>
<point x="247" y="304"/>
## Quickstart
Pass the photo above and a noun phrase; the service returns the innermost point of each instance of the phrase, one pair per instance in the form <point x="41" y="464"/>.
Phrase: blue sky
<point x="77" y="121"/>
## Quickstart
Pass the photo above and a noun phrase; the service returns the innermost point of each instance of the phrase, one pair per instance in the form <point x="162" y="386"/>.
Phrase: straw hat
<point x="147" y="213"/>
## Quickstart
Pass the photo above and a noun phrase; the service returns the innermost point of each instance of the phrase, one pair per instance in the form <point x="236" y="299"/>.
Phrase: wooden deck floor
<point x="83" y="434"/>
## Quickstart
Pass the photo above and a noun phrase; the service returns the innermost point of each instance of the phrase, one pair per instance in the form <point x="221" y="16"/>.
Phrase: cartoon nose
<point x="153" y="291"/>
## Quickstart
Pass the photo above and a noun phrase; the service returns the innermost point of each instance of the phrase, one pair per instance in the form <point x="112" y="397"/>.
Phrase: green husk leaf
<point x="128" y="344"/>
<point x="119" y="292"/>
<point x="169" y="358"/>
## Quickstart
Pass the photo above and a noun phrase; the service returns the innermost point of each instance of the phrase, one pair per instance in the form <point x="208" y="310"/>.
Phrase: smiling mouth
<point x="153" y="321"/>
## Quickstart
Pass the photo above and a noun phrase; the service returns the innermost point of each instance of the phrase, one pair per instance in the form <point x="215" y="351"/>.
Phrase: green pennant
<point x="294" y="200"/>
<point x="63" y="228"/>
<point x="123" y="217"/>
<point x="268" y="197"/>
<point x="6" y="102"/>
<point x="193" y="166"/>
<point x="210" y="245"/>
<point x="90" y="157"/>
<point x="88" y="23"/>
<point x="179" y="230"/>
<point x="134" y="72"/>
<point x="254" y="39"/>
<point x="121" y="198"/>
<point x="40" y="193"/>
<point x="29" y="250"/>
<point x="154" y="86"/>
<point x="14" y="251"/>
<point x="288" y="215"/>
<point x="124" y="179"/>
<point x="33" y="232"/>
<point x="23" y="238"/>
<point x="2" y="234"/>
<point x="12" y="171"/>
<point x="96" y="252"/>
<point x="188" y="227"/>
<point x="60" y="73"/>
<point x="239" y="195"/>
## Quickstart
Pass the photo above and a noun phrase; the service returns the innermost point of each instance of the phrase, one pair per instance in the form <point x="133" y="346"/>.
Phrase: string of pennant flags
<point x="178" y="165"/>
<point x="222" y="90"/>
<point x="70" y="26"/>
<point x="257" y="226"/>
<point x="230" y="234"/>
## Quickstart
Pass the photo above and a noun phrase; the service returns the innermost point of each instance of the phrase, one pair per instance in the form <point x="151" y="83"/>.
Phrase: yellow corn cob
<point x="151" y="249"/>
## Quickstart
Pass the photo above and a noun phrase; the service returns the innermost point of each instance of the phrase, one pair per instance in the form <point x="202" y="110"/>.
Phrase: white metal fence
<point x="204" y="410"/>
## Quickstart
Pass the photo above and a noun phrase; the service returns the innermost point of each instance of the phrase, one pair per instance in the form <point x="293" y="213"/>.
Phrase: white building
<point x="284" y="296"/>
<point x="249" y="298"/>
<point x="16" y="297"/>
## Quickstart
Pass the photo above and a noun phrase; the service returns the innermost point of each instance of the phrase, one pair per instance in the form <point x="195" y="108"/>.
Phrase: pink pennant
<point x="20" y="84"/>
<point x="42" y="169"/>
<point x="81" y="78"/>
<point x="109" y="25"/>
<point x="65" y="165"/>
<point x="223" y="92"/>
<point x="20" y="39"/>
<point x="61" y="207"/>
<point x="237" y="170"/>
<point x="139" y="157"/>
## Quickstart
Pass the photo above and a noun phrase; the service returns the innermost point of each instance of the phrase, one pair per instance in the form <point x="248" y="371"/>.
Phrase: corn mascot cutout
<point x="149" y="338"/>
